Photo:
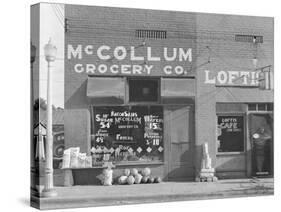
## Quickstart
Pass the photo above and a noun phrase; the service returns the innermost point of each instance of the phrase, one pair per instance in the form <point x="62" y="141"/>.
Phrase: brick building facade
<point x="200" y="67"/>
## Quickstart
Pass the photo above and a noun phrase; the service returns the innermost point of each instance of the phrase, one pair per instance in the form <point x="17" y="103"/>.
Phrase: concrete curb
<point x="58" y="203"/>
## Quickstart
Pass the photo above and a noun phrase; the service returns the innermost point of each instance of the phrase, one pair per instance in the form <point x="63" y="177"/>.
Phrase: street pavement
<point x="97" y="195"/>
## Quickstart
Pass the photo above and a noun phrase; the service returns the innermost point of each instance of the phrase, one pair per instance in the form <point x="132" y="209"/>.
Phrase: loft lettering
<point x="232" y="78"/>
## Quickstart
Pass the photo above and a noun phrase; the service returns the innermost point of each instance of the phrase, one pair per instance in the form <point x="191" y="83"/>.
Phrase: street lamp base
<point x="49" y="193"/>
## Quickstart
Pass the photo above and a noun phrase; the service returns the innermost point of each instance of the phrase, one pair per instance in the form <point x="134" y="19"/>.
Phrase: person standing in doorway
<point x="260" y="140"/>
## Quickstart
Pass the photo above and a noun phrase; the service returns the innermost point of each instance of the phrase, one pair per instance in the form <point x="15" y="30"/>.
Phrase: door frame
<point x="167" y="135"/>
<point x="249" y="145"/>
<point x="244" y="153"/>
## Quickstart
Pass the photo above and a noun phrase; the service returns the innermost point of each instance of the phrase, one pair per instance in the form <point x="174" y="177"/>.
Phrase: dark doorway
<point x="261" y="135"/>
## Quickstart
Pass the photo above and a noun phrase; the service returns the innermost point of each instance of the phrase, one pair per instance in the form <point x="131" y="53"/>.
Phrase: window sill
<point x="132" y="163"/>
<point x="127" y="163"/>
<point x="229" y="153"/>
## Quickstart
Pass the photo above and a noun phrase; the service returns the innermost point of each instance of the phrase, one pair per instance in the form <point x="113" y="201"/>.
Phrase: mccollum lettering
<point x="120" y="53"/>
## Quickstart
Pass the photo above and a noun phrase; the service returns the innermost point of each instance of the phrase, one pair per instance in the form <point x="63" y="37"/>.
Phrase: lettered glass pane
<point x="230" y="133"/>
<point x="125" y="134"/>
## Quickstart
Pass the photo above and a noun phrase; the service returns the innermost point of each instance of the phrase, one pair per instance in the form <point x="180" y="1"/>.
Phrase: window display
<point x="127" y="133"/>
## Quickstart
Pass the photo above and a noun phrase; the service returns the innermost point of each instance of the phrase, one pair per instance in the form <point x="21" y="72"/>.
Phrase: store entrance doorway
<point x="261" y="136"/>
<point x="179" y="122"/>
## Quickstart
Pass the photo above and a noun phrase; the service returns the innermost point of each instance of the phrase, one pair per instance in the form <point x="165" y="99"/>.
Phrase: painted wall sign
<point x="232" y="78"/>
<point x="129" y="60"/>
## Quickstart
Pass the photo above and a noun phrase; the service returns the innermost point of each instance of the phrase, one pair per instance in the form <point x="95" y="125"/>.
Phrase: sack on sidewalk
<point x="74" y="152"/>
<point x="66" y="159"/>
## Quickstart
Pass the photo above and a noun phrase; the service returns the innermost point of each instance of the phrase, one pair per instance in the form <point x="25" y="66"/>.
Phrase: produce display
<point x="146" y="172"/>
<point x="134" y="172"/>
<point x="122" y="180"/>
<point x="130" y="180"/>
<point x="144" y="179"/>
<point x="127" y="172"/>
<point x="134" y="176"/>
<point x="138" y="178"/>
<point x="150" y="180"/>
<point x="157" y="180"/>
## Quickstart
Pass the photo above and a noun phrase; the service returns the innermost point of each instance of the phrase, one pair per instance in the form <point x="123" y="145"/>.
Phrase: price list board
<point x="138" y="129"/>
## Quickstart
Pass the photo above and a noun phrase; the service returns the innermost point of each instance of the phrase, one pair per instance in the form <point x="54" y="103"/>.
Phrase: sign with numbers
<point x="135" y="127"/>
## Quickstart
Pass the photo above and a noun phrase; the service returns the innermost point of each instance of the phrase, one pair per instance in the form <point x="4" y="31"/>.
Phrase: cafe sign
<point x="129" y="60"/>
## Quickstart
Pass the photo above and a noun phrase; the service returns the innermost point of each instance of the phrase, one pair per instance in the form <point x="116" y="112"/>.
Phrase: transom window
<point x="143" y="90"/>
<point x="260" y="107"/>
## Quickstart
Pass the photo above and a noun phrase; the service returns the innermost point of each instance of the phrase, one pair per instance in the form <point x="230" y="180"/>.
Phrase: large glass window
<point x="230" y="133"/>
<point x="127" y="133"/>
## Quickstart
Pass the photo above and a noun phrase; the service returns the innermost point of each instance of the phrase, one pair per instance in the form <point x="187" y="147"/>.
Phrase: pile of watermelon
<point x="134" y="176"/>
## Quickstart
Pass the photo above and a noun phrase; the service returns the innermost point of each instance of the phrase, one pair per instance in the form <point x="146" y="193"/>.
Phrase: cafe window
<point x="127" y="134"/>
<point x="230" y="133"/>
<point x="143" y="90"/>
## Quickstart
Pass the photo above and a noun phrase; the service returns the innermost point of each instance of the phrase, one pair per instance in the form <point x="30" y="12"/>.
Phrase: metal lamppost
<point x="50" y="51"/>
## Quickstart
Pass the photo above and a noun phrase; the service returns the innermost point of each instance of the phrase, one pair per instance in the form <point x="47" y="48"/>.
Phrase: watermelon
<point x="144" y="179"/>
<point x="157" y="180"/>
<point x="138" y="179"/>
<point x="130" y="180"/>
<point x="150" y="180"/>
<point x="122" y="180"/>
<point x="126" y="172"/>
<point x="134" y="172"/>
<point x="146" y="172"/>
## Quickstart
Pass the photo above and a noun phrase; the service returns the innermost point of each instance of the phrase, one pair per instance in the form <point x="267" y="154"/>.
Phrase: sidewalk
<point x="85" y="196"/>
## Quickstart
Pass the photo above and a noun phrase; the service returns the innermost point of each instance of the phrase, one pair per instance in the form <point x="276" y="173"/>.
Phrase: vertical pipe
<point x="49" y="187"/>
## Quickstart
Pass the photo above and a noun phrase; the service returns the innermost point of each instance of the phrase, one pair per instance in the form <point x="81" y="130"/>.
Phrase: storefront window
<point x="126" y="134"/>
<point x="230" y="133"/>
